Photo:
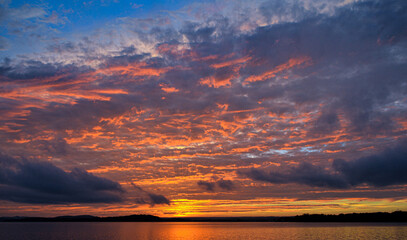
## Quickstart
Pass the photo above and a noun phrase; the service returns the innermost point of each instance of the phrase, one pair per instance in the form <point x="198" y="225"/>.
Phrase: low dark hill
<point x="84" y="218"/>
<point x="398" y="216"/>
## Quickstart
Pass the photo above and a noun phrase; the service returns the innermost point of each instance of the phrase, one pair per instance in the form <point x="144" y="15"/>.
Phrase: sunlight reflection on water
<point x="194" y="231"/>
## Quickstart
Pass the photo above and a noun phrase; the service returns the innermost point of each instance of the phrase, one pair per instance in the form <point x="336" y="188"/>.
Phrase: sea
<point x="199" y="230"/>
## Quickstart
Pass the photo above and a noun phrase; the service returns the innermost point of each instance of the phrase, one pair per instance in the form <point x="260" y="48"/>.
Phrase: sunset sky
<point x="202" y="108"/>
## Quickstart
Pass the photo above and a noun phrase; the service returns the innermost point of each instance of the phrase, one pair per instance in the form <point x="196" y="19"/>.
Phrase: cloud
<point x="28" y="24"/>
<point x="211" y="96"/>
<point x="135" y="5"/>
<point x="325" y="124"/>
<point x="43" y="183"/>
<point x="352" y="80"/>
<point x="305" y="173"/>
<point x="379" y="170"/>
<point x="339" y="84"/>
<point x="208" y="186"/>
<point x="26" y="12"/>
<point x="227" y="185"/>
<point x="158" y="199"/>
<point x="146" y="197"/>
<point x="383" y="169"/>
<point x="3" y="43"/>
<point x="23" y="12"/>
<point x="284" y="11"/>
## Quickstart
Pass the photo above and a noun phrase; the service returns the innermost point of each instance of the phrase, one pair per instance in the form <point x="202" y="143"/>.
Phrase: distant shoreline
<point x="398" y="216"/>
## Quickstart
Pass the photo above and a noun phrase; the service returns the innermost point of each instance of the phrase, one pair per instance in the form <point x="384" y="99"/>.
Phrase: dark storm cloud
<point x="227" y="185"/>
<point x="126" y="57"/>
<point x="43" y="183"/>
<point x="305" y="173"/>
<point x="158" y="199"/>
<point x="208" y="186"/>
<point x="386" y="168"/>
<point x="29" y="70"/>
<point x="326" y="123"/>
<point x="146" y="197"/>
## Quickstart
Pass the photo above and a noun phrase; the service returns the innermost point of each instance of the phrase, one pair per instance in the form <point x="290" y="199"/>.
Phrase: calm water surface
<point x="194" y="231"/>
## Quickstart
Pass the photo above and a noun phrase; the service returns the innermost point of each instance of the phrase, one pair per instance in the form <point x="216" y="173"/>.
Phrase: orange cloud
<point x="231" y="62"/>
<point x="293" y="62"/>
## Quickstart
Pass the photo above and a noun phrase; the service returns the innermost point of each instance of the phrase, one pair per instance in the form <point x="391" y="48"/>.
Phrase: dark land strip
<point x="398" y="216"/>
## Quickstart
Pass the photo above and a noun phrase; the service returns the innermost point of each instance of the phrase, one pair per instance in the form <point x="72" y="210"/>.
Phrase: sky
<point x="203" y="108"/>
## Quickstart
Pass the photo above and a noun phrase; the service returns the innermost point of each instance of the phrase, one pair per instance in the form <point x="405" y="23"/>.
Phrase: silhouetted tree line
<point x="398" y="216"/>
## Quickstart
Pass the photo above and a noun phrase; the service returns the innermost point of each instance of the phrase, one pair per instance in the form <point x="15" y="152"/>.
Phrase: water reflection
<point x="195" y="231"/>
